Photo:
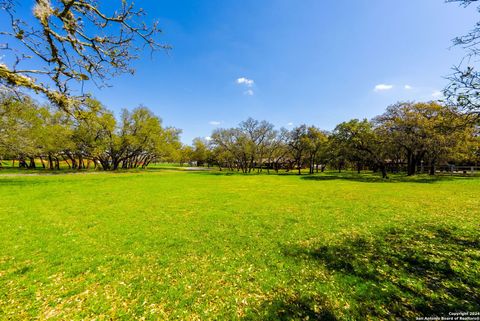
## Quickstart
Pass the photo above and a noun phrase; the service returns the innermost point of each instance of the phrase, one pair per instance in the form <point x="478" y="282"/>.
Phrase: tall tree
<point x="424" y="131"/>
<point x="20" y="124"/>
<point x="298" y="144"/>
<point x="316" y="140"/>
<point x="246" y="146"/>
<point x="361" y="143"/>
<point x="276" y="149"/>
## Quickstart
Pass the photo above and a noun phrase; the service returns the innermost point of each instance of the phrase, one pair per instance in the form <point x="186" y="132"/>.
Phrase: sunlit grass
<point x="167" y="244"/>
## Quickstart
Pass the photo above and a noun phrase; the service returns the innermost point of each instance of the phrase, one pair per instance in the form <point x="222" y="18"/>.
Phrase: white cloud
<point x="382" y="87"/>
<point x="214" y="123"/>
<point x="208" y="138"/>
<point x="408" y="87"/>
<point x="437" y="94"/>
<point x="249" y="92"/>
<point x="290" y="124"/>
<point x="245" y="81"/>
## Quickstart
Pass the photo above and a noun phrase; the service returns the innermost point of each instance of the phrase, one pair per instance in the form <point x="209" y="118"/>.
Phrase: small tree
<point x="200" y="151"/>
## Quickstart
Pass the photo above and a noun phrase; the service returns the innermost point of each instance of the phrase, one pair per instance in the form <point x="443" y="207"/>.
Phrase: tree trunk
<point x="72" y="158"/>
<point x="68" y="164"/>
<point x="432" y="167"/>
<point x="22" y="164"/>
<point x="411" y="165"/>
<point x="115" y="163"/>
<point x="32" y="163"/>
<point x="41" y="160"/>
<point x="383" y="168"/>
<point x="105" y="164"/>
<point x="50" y="161"/>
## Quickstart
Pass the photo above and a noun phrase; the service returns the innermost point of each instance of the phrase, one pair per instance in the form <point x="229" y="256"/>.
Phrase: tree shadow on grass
<point x="404" y="273"/>
<point x="365" y="178"/>
<point x="21" y="181"/>
<point x="294" y="307"/>
<point x="346" y="176"/>
<point x="163" y="169"/>
<point x="217" y="173"/>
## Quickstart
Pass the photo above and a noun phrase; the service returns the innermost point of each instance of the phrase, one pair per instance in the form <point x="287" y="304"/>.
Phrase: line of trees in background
<point x="32" y="133"/>
<point x="408" y="137"/>
<point x="74" y="47"/>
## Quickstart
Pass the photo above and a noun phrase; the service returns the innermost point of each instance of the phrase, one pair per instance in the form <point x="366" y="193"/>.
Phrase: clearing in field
<point x="207" y="245"/>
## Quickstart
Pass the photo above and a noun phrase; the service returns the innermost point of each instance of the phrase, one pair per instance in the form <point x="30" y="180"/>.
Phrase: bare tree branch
<point x="76" y="41"/>
<point x="464" y="89"/>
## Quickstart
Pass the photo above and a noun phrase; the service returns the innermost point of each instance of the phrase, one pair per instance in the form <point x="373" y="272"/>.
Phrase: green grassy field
<point x="194" y="245"/>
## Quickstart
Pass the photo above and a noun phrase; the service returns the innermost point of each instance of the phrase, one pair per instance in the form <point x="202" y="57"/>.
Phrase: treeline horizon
<point x="406" y="137"/>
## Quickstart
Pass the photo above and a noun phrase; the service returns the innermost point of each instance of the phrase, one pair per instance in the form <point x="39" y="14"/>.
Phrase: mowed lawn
<point x="183" y="245"/>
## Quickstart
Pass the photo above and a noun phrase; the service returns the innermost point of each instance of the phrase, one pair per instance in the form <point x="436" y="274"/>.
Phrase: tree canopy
<point x="29" y="132"/>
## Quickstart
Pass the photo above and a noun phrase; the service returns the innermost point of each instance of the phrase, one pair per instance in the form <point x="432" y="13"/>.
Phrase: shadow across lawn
<point x="403" y="274"/>
<point x="369" y="178"/>
<point x="21" y="181"/>
<point x="364" y="177"/>
<point x="218" y="173"/>
<point x="294" y="307"/>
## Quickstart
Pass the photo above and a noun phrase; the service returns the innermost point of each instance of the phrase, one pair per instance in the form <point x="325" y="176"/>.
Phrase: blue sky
<point x="290" y="61"/>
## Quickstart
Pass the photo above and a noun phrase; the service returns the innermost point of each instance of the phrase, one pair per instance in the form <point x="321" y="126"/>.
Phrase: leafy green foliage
<point x="92" y="134"/>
